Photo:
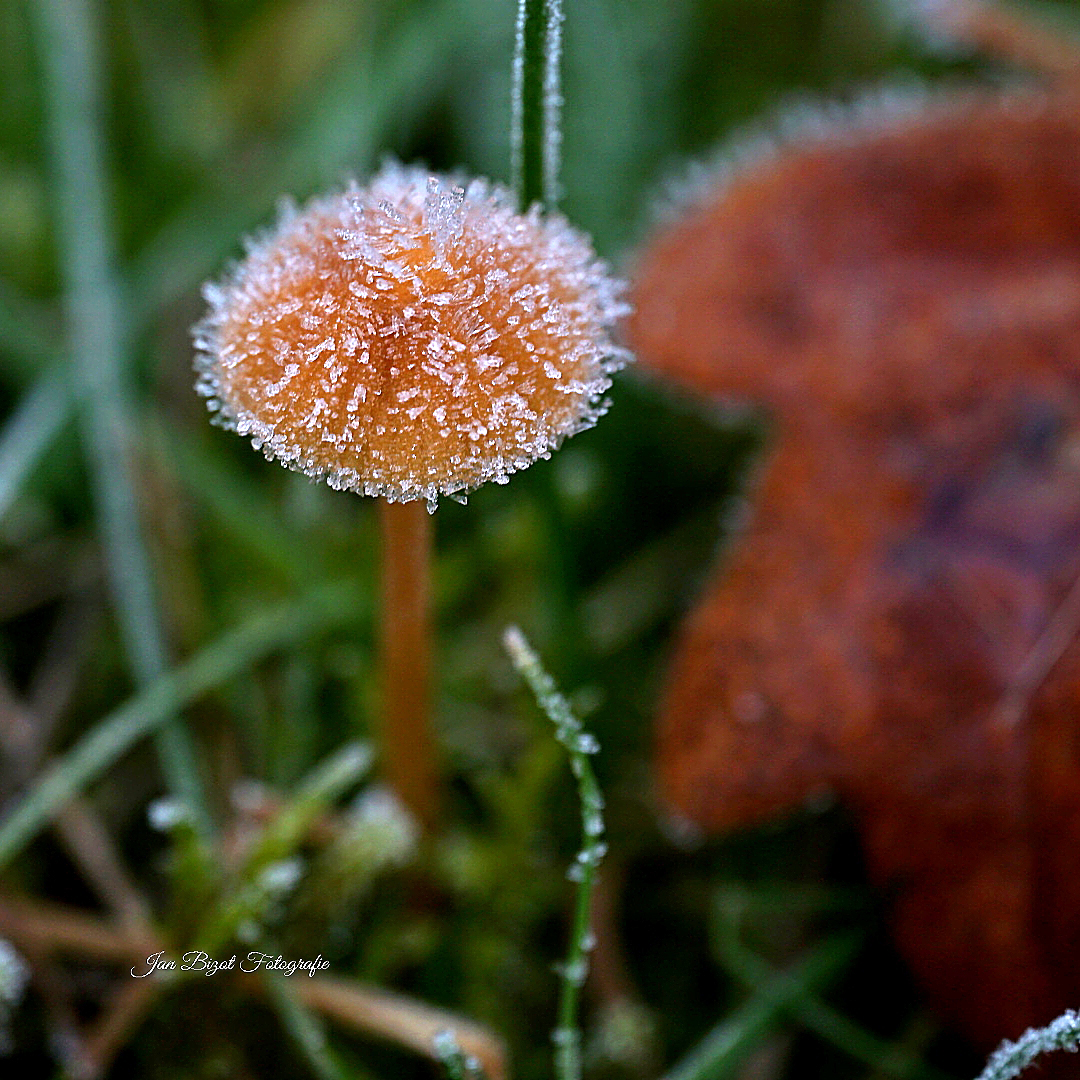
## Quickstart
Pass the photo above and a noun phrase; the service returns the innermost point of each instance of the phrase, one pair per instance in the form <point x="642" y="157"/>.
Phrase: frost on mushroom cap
<point x="411" y="339"/>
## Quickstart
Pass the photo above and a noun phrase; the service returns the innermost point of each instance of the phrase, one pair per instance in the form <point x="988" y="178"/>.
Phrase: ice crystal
<point x="553" y="101"/>
<point x="13" y="974"/>
<point x="280" y="878"/>
<point x="166" y="814"/>
<point x="457" y="1064"/>
<point x="411" y="339"/>
<point x="380" y="831"/>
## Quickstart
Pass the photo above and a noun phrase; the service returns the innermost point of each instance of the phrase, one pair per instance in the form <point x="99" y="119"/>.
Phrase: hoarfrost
<point x="280" y="878"/>
<point x="166" y="814"/>
<point x="587" y="743"/>
<point x="14" y="974"/>
<point x="574" y="973"/>
<point x="413" y="339"/>
<point x="14" y="978"/>
<point x="387" y="827"/>
<point x="1011" y="1058"/>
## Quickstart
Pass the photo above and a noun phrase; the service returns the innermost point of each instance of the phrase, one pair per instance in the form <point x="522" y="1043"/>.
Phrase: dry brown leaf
<point x="899" y="621"/>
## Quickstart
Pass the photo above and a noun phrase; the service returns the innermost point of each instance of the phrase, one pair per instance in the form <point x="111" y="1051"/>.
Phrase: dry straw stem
<point x="69" y="932"/>
<point x="116" y="733"/>
<point x="53" y="929"/>
<point x="401" y="1020"/>
<point x="129" y="1005"/>
<point x="23" y="740"/>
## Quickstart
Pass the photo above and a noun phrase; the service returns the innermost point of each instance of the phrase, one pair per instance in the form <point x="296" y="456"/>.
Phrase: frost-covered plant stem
<point x="408" y="749"/>
<point x="535" y="135"/>
<point x="580" y="745"/>
<point x="1011" y="1058"/>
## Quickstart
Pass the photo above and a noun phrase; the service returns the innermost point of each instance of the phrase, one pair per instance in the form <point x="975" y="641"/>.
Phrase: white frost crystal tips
<point x="413" y="338"/>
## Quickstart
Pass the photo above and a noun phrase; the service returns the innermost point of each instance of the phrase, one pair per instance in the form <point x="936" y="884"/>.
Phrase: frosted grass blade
<point x="1010" y="1059"/>
<point x="536" y="103"/>
<point x="580" y="745"/>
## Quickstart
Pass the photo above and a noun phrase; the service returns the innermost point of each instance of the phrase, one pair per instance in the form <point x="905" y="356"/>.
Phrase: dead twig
<point x="56" y="928"/>
<point x="113" y="1030"/>
<point x="54" y="990"/>
<point x="90" y="845"/>
<point x="400" y="1019"/>
<point x="52" y="928"/>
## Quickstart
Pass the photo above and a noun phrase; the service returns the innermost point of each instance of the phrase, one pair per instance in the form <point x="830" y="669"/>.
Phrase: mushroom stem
<point x="408" y="750"/>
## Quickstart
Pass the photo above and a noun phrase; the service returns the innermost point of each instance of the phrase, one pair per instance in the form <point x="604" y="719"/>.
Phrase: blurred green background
<point x="201" y="114"/>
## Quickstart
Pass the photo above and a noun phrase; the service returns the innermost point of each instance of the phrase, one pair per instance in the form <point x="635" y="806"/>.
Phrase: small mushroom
<point x="411" y="339"/>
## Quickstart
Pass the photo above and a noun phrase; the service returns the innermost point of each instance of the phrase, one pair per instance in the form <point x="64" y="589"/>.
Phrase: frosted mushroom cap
<point x="411" y="339"/>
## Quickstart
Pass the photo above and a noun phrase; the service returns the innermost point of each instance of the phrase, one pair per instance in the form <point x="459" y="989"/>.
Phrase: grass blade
<point x="814" y="1014"/>
<point x="580" y="745"/>
<point x="96" y="335"/>
<point x="36" y="422"/>
<point x="724" y="1049"/>
<point x="114" y="735"/>
<point x="1010" y="1059"/>
<point x="306" y="1030"/>
<point x="536" y="103"/>
<point x="341" y="134"/>
<point x="320" y="788"/>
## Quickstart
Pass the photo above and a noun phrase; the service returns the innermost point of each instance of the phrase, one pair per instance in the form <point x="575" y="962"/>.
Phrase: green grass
<point x="222" y="610"/>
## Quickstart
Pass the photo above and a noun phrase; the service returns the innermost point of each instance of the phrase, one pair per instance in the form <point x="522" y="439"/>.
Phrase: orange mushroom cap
<point x="411" y="339"/>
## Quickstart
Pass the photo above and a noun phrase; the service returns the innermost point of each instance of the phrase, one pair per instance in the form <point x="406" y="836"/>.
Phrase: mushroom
<point x="411" y="339"/>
